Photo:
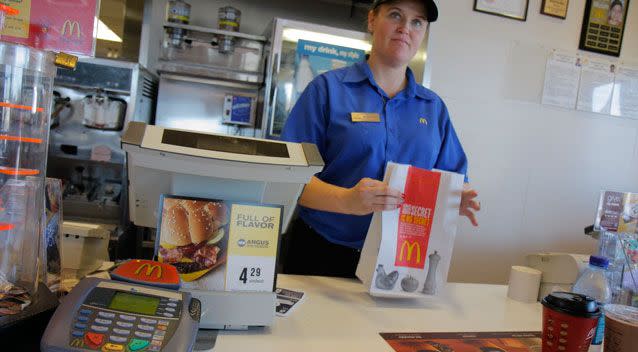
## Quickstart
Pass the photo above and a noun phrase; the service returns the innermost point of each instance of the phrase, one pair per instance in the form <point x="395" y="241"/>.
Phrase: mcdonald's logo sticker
<point x="78" y="342"/>
<point x="409" y="248"/>
<point x="149" y="270"/>
<point x="70" y="27"/>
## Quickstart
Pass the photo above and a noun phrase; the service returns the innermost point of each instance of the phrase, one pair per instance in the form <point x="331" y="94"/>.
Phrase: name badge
<point x="365" y="117"/>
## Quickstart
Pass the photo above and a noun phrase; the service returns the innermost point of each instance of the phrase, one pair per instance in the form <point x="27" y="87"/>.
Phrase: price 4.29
<point x="249" y="272"/>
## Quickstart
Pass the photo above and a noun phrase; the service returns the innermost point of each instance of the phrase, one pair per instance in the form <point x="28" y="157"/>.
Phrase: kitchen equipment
<point x="288" y="72"/>
<point x="84" y="247"/>
<point x="117" y="316"/>
<point x="193" y="164"/>
<point x="560" y="270"/>
<point x="196" y="79"/>
<point x="85" y="150"/>
<point x="103" y="112"/>
<point x="177" y="11"/>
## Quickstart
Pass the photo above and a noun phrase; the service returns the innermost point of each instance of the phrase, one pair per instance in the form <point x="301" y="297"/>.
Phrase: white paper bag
<point x="407" y="251"/>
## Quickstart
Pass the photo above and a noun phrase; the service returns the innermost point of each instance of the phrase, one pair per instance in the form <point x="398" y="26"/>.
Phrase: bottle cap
<point x="599" y="261"/>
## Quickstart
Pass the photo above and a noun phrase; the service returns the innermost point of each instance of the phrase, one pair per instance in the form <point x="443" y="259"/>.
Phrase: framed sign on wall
<point x="555" y="8"/>
<point x="603" y="26"/>
<point x="515" y="9"/>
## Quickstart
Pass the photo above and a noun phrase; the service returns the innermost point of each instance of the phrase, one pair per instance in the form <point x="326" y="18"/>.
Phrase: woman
<point x="401" y="122"/>
<point x="615" y="13"/>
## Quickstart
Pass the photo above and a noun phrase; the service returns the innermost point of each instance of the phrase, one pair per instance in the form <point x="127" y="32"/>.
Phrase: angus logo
<point x="70" y="27"/>
<point x="410" y="248"/>
<point x="149" y="270"/>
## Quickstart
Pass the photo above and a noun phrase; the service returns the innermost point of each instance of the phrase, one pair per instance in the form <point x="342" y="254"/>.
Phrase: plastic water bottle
<point x="594" y="283"/>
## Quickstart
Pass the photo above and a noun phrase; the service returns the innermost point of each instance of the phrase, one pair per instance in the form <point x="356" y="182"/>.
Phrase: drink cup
<point x="569" y="322"/>
<point x="621" y="328"/>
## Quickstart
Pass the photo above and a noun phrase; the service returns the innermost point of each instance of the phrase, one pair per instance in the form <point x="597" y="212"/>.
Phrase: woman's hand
<point x="469" y="205"/>
<point x="370" y="195"/>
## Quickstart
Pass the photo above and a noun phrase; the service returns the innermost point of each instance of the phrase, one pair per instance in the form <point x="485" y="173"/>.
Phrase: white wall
<point x="538" y="169"/>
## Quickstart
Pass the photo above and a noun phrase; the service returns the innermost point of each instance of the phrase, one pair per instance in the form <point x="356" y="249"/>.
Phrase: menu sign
<point x="69" y="26"/>
<point x="617" y="212"/>
<point x="603" y="26"/>
<point x="219" y="245"/>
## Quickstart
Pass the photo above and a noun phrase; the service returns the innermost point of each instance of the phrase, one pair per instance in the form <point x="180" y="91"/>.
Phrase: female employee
<point x="401" y="122"/>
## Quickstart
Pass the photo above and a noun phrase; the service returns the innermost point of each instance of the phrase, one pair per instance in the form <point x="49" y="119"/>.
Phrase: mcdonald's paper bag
<point x="407" y="251"/>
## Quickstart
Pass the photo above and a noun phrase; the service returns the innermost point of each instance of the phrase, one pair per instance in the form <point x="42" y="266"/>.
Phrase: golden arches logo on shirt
<point x="415" y="217"/>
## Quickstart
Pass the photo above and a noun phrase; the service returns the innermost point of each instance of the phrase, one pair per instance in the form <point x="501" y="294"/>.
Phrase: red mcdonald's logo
<point x="149" y="270"/>
<point x="71" y="26"/>
<point x="410" y="248"/>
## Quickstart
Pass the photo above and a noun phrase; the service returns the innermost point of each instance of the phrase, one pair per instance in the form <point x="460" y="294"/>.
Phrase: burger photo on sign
<point x="193" y="235"/>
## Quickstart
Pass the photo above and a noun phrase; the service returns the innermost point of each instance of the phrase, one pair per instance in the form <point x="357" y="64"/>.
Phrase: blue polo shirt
<point x="414" y="128"/>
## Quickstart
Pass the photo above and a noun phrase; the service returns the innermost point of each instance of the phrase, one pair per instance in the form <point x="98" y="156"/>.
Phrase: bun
<point x="200" y="222"/>
<point x="219" y="214"/>
<point x="175" y="223"/>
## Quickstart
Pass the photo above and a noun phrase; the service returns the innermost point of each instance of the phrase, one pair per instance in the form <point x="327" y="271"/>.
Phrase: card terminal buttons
<point x="148" y="321"/>
<point x="83" y="318"/>
<point x="111" y="347"/>
<point x="161" y="327"/>
<point x="80" y="326"/>
<point x="121" y="331"/>
<point x="164" y="322"/>
<point x="144" y="335"/>
<point x="145" y="327"/>
<point x="127" y="317"/>
<point x="173" y="299"/>
<point x="137" y="344"/>
<point x="159" y="333"/>
<point x="103" y="321"/>
<point x="168" y="315"/>
<point x="106" y="315"/>
<point x="77" y="333"/>
<point x="99" y="328"/>
<point x="93" y="339"/>
<point x="124" y="324"/>
<point x="85" y="311"/>
<point x="118" y="339"/>
<point x="172" y="304"/>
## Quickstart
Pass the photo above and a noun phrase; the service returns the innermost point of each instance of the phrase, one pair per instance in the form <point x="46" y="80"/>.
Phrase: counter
<point x="338" y="315"/>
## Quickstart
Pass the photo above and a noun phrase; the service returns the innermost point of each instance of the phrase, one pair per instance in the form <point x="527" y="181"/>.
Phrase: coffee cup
<point x="569" y="322"/>
<point x="621" y="328"/>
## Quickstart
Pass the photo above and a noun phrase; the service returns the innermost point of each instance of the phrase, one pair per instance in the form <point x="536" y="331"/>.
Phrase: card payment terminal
<point x="105" y="315"/>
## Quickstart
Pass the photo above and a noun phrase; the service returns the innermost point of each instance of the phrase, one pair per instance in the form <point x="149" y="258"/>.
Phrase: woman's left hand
<point x="469" y="205"/>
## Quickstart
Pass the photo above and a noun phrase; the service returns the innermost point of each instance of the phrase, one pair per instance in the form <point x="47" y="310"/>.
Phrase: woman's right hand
<point x="370" y="195"/>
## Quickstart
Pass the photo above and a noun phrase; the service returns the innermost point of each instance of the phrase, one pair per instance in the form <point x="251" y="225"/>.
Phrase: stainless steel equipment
<point x="196" y="80"/>
<point x="100" y="96"/>
<point x="284" y="76"/>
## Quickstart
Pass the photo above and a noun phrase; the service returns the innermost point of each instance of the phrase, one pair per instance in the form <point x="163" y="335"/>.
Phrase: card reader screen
<point x="132" y="303"/>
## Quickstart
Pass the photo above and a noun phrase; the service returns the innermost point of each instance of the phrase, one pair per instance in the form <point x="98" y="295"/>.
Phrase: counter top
<point x="339" y="315"/>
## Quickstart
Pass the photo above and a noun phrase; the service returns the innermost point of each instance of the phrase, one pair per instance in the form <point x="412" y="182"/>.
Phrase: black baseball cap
<point x="432" y="12"/>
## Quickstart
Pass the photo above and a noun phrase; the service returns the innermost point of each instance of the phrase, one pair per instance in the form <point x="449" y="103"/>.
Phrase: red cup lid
<point x="572" y="303"/>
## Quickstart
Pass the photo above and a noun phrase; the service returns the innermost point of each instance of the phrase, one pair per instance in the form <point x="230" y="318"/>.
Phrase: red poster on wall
<point x="69" y="26"/>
